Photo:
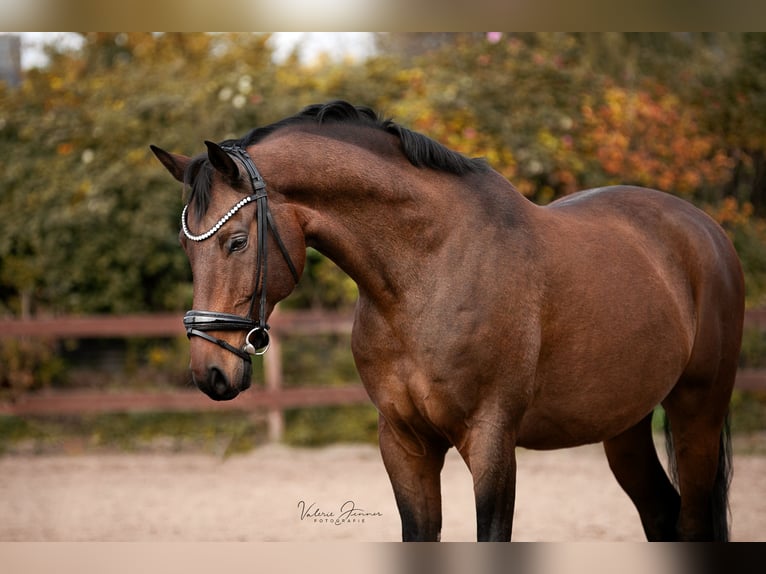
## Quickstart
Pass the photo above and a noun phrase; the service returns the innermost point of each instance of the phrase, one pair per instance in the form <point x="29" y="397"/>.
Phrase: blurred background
<point x="93" y="282"/>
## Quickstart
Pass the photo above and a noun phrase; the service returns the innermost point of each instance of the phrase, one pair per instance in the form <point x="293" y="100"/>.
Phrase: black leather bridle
<point x="197" y="323"/>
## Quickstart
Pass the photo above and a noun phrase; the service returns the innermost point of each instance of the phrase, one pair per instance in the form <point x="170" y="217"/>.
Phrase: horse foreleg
<point x="414" y="468"/>
<point x="491" y="457"/>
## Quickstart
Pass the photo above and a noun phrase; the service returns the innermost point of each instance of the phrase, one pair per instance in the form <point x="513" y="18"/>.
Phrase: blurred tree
<point x="561" y="112"/>
<point x="408" y="45"/>
<point x="682" y="112"/>
<point x="92" y="225"/>
<point x="649" y="137"/>
<point x="511" y="98"/>
<point x="733" y="96"/>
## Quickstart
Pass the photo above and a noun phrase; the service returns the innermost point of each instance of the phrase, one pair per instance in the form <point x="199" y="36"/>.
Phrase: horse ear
<point x="222" y="161"/>
<point x="174" y="163"/>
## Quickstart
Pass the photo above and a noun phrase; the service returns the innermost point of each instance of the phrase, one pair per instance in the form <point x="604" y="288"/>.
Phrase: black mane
<point x="420" y="150"/>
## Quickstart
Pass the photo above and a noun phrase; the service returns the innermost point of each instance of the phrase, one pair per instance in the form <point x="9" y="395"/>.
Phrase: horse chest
<point x="435" y="363"/>
<point x="429" y="385"/>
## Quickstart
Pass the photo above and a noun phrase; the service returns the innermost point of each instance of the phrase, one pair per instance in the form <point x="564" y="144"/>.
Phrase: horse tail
<point x="721" y="509"/>
<point x="720" y="497"/>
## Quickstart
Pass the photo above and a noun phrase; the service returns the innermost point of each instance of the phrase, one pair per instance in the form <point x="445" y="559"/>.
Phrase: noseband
<point x="197" y="323"/>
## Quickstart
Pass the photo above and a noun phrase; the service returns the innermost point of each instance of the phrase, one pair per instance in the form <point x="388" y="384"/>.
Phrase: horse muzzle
<point x="215" y="383"/>
<point x="212" y="380"/>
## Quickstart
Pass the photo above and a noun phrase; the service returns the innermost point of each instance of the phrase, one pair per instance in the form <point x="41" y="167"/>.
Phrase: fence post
<point x="272" y="375"/>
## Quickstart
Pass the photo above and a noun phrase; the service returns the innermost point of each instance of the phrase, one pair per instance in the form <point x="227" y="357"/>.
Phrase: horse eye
<point x="237" y="244"/>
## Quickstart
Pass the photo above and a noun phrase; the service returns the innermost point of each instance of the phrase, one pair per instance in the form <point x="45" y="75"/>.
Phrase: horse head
<point x="245" y="254"/>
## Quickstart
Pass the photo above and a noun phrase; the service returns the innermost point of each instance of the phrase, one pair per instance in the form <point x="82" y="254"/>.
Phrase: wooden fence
<point x="272" y="397"/>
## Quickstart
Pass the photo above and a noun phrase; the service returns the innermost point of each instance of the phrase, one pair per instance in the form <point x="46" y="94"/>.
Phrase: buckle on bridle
<point x="257" y="341"/>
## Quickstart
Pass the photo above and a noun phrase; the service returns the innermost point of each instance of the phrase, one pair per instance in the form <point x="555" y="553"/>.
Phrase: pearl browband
<point x="243" y="202"/>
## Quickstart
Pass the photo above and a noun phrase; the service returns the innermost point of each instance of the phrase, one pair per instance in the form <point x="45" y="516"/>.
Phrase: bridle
<point x="197" y="323"/>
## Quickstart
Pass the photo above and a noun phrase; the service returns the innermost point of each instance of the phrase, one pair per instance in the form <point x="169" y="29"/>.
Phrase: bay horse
<point x="484" y="321"/>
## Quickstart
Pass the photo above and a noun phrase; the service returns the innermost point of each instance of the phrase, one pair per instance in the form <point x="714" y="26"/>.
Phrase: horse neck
<point x="378" y="217"/>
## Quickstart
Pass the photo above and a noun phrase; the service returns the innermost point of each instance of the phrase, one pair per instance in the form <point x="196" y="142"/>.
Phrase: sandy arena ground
<point x="567" y="495"/>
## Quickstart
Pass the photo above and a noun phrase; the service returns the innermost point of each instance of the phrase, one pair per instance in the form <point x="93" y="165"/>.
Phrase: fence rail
<point x="164" y="325"/>
<point x="90" y="401"/>
<point x="273" y="397"/>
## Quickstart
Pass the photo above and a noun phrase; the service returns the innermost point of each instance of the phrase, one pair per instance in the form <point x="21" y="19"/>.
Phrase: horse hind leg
<point x="633" y="459"/>
<point x="698" y="417"/>
<point x="697" y="409"/>
<point x="715" y="511"/>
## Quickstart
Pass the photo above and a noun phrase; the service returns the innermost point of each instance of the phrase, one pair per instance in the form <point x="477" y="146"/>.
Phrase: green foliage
<point x="221" y="434"/>
<point x="135" y="363"/>
<point x="325" y="361"/>
<point x="753" y="353"/>
<point x="94" y="226"/>
<point x="323" y="284"/>
<point x="94" y="222"/>
<point x="327" y="425"/>
<point x="154" y="360"/>
<point x="748" y="412"/>
<point x="750" y="243"/>
<point x="27" y="364"/>
<point x="319" y="360"/>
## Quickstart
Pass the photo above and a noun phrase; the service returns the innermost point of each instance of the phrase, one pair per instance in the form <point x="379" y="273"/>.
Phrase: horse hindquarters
<point x="710" y="285"/>
<point x="697" y="408"/>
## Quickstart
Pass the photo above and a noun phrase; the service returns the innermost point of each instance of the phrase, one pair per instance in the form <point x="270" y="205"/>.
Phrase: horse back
<point x="675" y="233"/>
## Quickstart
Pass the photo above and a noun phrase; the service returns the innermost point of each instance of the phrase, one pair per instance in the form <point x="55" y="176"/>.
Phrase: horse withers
<point x="484" y="321"/>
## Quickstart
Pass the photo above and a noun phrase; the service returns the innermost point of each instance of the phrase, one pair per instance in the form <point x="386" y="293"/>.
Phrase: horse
<point x="484" y="321"/>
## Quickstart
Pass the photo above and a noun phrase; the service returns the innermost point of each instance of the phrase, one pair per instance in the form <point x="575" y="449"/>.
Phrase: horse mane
<point x="420" y="150"/>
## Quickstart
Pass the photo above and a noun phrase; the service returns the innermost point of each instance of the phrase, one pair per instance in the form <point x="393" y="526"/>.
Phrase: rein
<point x="197" y="323"/>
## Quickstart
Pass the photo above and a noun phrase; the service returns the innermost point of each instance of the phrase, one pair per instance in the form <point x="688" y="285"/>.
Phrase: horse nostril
<point x="215" y="384"/>
<point x="218" y="382"/>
